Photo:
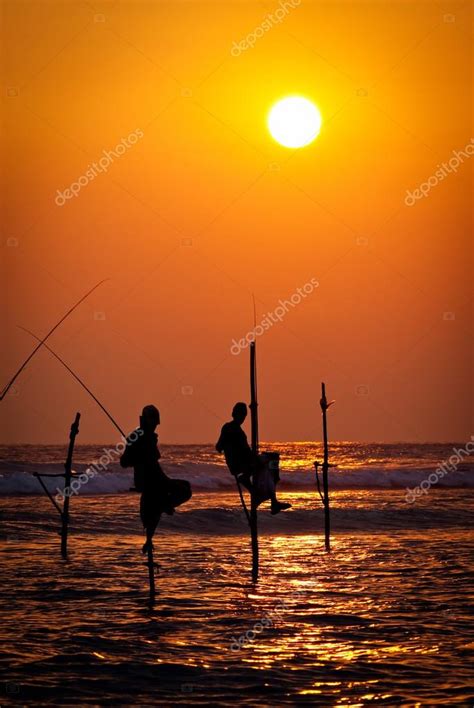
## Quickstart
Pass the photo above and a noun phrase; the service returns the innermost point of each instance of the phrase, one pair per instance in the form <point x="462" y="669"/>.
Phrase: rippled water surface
<point x="383" y="619"/>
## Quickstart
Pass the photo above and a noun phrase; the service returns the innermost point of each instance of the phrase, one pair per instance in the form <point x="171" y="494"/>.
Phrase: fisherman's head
<point x="239" y="412"/>
<point x="150" y="417"/>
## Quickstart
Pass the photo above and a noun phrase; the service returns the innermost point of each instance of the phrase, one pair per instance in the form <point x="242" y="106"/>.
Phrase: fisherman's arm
<point x="130" y="456"/>
<point x="221" y="443"/>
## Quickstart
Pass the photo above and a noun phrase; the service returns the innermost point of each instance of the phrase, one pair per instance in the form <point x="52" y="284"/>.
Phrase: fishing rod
<point x="42" y="341"/>
<point x="78" y="379"/>
<point x="67" y="474"/>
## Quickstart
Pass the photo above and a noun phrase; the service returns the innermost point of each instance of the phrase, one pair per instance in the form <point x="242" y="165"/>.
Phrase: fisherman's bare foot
<point x="279" y="506"/>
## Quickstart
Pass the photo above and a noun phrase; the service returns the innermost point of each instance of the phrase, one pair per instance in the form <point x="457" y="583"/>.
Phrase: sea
<point x="384" y="618"/>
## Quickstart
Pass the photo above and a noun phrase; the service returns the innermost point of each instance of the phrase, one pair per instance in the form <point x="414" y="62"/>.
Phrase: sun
<point x="294" y="121"/>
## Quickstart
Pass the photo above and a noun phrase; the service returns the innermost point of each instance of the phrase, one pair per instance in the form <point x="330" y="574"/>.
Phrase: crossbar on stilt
<point x="67" y="474"/>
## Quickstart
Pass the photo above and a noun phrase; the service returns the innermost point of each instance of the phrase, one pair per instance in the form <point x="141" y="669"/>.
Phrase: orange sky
<point x="206" y="208"/>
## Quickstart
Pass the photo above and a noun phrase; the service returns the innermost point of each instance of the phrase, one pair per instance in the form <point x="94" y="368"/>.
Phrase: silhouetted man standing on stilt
<point x="159" y="492"/>
<point x="241" y="461"/>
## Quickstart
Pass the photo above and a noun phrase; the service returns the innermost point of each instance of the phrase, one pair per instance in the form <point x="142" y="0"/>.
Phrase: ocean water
<point x="385" y="618"/>
<point x="356" y="466"/>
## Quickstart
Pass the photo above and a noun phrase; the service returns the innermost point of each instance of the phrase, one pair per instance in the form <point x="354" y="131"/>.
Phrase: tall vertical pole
<point x="253" y="398"/>
<point x="327" y="520"/>
<point x="254" y="434"/>
<point x="67" y="484"/>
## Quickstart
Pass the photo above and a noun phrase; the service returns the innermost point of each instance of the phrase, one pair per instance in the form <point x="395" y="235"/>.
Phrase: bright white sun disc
<point x="294" y="122"/>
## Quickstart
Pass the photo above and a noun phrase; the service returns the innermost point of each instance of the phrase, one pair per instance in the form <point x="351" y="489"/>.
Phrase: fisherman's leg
<point x="244" y="477"/>
<point x="150" y="517"/>
<point x="150" y="529"/>
<point x="276" y="505"/>
<point x="178" y="492"/>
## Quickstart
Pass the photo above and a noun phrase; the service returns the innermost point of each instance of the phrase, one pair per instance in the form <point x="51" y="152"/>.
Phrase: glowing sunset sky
<point x="205" y="208"/>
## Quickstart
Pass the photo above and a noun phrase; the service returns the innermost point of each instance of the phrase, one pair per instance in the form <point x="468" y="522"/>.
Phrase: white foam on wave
<point x="18" y="478"/>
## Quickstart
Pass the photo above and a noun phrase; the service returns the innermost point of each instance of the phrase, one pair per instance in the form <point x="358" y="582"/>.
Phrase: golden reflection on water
<point x="340" y="598"/>
<point x="341" y="624"/>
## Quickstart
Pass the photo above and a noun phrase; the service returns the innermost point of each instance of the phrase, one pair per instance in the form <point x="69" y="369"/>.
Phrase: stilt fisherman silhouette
<point x="159" y="493"/>
<point x="241" y="461"/>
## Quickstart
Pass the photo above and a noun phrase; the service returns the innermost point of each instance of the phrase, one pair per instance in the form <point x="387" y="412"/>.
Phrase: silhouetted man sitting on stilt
<point x="240" y="459"/>
<point x="159" y="492"/>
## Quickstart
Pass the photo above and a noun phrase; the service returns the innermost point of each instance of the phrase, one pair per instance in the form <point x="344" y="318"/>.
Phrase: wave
<point x="18" y="478"/>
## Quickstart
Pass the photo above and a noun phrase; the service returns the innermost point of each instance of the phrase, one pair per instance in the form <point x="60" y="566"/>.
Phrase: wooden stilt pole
<point x="151" y="572"/>
<point x="254" y="538"/>
<point x="67" y="474"/>
<point x="67" y="485"/>
<point x="254" y="429"/>
<point x="325" y="466"/>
